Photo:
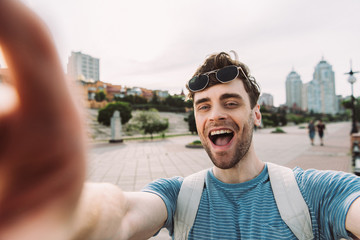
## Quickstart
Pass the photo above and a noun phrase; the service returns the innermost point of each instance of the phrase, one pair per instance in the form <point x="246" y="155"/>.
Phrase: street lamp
<point x="352" y="80"/>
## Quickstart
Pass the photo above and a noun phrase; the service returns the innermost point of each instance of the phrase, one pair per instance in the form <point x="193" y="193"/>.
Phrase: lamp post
<point x="352" y="80"/>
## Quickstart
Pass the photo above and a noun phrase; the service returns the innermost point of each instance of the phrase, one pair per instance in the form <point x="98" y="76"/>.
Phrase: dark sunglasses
<point x="223" y="75"/>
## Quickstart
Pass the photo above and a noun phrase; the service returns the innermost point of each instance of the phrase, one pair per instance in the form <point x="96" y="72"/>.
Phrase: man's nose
<point x="217" y="114"/>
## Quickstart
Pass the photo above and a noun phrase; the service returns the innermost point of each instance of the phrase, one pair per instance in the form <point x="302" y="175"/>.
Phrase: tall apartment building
<point x="84" y="67"/>
<point x="313" y="96"/>
<point x="321" y="95"/>
<point x="304" y="94"/>
<point x="293" y="90"/>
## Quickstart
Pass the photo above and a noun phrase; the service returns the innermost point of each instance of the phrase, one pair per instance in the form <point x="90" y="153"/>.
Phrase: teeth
<point x="220" y="132"/>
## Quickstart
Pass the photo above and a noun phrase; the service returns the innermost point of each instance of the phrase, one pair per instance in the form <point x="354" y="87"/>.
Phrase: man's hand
<point x="41" y="139"/>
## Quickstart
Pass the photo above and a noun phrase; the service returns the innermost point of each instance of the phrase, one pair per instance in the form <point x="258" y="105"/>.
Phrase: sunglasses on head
<point x="223" y="75"/>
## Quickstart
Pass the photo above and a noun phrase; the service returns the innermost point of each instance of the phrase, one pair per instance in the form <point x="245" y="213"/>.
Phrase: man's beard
<point x="241" y="150"/>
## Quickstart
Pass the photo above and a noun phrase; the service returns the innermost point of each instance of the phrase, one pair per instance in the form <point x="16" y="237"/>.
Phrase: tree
<point x="105" y="114"/>
<point x="191" y="122"/>
<point x="140" y="100"/>
<point x="189" y="103"/>
<point x="149" y="122"/>
<point x="174" y="101"/>
<point x="282" y="119"/>
<point x="348" y="105"/>
<point x="133" y="99"/>
<point x="100" y="96"/>
<point x="155" y="99"/>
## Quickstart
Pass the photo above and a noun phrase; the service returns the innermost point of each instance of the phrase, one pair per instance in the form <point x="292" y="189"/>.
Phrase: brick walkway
<point x="133" y="164"/>
<point x="294" y="149"/>
<point x="334" y="155"/>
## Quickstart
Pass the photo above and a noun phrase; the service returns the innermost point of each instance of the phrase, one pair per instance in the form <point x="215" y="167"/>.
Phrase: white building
<point x="321" y="90"/>
<point x="83" y="66"/>
<point x="313" y="96"/>
<point x="304" y="96"/>
<point x="266" y="99"/>
<point x="340" y="107"/>
<point x="162" y="94"/>
<point x="293" y="90"/>
<point x="135" y="91"/>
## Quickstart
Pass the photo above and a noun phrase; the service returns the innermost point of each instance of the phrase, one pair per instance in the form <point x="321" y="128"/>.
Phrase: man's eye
<point x="231" y="104"/>
<point x="203" y="107"/>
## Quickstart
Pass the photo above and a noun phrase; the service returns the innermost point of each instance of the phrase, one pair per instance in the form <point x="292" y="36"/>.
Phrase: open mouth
<point x="221" y="137"/>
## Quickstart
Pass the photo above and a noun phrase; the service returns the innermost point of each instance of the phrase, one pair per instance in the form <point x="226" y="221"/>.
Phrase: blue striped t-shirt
<point x="248" y="210"/>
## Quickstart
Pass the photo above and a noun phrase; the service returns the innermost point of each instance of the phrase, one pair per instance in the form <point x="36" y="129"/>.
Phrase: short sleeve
<point x="168" y="190"/>
<point x="329" y="194"/>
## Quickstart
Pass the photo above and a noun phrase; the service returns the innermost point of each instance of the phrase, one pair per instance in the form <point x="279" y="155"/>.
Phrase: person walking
<point x="320" y="129"/>
<point x="311" y="128"/>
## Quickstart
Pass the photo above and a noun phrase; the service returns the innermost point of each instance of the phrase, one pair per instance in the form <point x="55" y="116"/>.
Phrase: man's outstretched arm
<point x="353" y="218"/>
<point x="105" y="212"/>
<point x="42" y="153"/>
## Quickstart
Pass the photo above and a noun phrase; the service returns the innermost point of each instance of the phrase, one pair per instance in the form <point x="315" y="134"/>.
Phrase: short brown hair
<point x="220" y="60"/>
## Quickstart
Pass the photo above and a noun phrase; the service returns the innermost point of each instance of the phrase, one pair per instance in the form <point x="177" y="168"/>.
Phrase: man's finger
<point x="31" y="57"/>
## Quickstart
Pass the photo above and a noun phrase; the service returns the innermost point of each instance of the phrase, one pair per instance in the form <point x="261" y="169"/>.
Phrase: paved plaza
<point x="133" y="164"/>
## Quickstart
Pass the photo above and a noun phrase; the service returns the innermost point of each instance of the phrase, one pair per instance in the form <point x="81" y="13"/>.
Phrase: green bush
<point x="296" y="118"/>
<point x="149" y="122"/>
<point x="160" y="108"/>
<point x="100" y="96"/>
<point x="195" y="144"/>
<point x="278" y="130"/>
<point x="133" y="99"/>
<point x="105" y="114"/>
<point x="267" y="122"/>
<point x="155" y="126"/>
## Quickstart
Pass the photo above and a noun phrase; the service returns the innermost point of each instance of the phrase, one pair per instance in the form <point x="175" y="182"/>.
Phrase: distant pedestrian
<point x="320" y="129"/>
<point x="311" y="128"/>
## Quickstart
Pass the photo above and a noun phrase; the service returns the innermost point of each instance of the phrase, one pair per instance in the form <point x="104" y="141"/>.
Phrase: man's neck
<point x="248" y="168"/>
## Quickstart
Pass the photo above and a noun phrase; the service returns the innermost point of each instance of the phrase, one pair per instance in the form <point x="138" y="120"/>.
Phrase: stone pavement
<point x="294" y="149"/>
<point x="133" y="164"/>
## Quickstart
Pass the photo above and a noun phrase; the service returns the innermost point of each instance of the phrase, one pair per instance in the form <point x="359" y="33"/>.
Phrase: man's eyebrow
<point x="230" y="95"/>
<point x="201" y="100"/>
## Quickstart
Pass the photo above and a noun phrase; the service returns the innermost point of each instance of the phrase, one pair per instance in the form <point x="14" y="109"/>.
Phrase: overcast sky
<point x="158" y="44"/>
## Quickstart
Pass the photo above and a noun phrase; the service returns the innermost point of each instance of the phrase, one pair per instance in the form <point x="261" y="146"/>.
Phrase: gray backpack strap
<point x="290" y="202"/>
<point x="187" y="204"/>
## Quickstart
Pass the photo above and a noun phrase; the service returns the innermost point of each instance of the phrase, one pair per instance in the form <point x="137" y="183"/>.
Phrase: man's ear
<point x="257" y="115"/>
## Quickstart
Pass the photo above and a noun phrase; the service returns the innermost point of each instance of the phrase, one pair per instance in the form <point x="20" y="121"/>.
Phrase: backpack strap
<point x="290" y="202"/>
<point x="188" y="203"/>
